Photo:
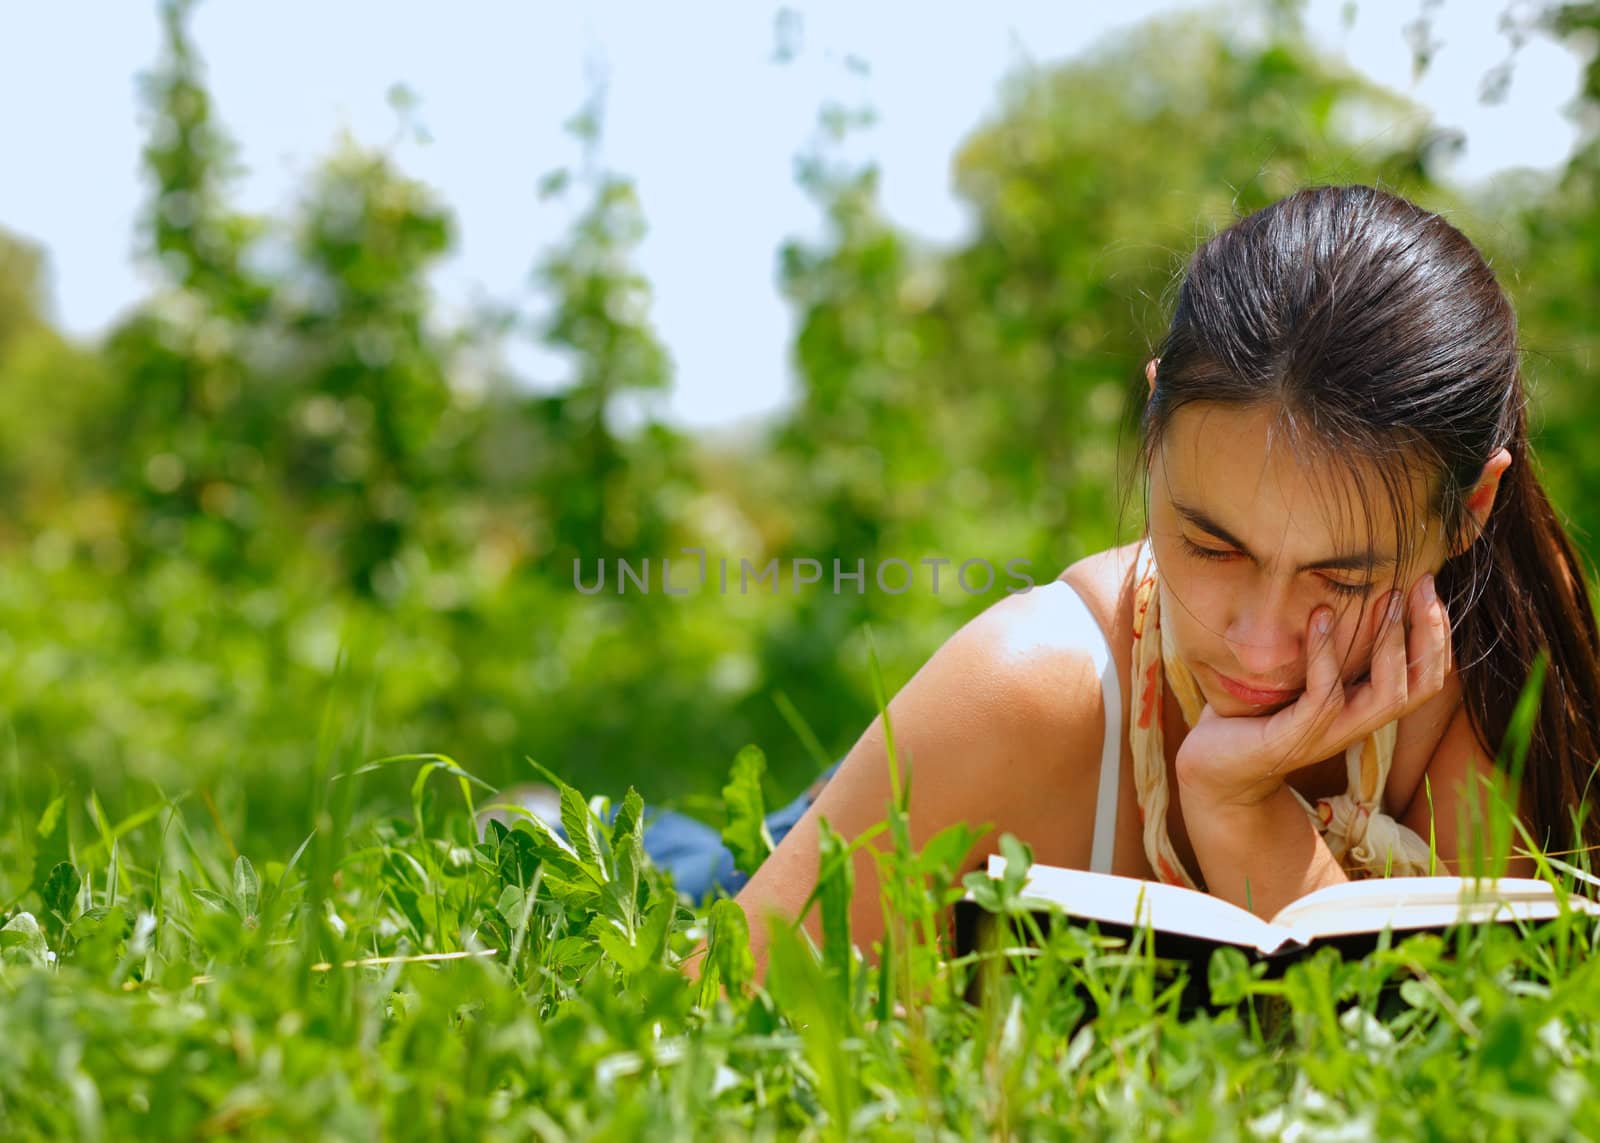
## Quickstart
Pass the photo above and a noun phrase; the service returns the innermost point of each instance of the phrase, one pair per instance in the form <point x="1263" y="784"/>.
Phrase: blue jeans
<point x="694" y="854"/>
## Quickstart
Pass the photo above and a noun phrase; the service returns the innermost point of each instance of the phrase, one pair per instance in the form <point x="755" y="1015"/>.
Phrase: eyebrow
<point x="1354" y="561"/>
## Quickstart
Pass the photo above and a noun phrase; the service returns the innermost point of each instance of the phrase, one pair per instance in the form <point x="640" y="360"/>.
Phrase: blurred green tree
<point x="605" y="492"/>
<point x="190" y="422"/>
<point x="52" y="393"/>
<point x="370" y="428"/>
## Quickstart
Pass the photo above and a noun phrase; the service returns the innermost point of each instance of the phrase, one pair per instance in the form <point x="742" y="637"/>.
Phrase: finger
<point x="1429" y="658"/>
<point x="1449" y="637"/>
<point x="1383" y="698"/>
<point x="1324" y="694"/>
<point x="1299" y="729"/>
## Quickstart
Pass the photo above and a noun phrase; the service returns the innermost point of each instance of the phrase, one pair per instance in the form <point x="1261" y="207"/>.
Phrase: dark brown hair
<point x="1377" y="330"/>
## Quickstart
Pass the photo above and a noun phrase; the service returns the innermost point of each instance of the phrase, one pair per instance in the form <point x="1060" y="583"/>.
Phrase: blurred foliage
<point x="284" y="463"/>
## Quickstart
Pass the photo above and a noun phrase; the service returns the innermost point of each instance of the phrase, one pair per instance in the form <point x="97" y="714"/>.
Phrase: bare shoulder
<point x="1105" y="580"/>
<point x="1002" y="726"/>
<point x="1033" y="655"/>
<point x="1013" y="696"/>
<point x="1037" y="649"/>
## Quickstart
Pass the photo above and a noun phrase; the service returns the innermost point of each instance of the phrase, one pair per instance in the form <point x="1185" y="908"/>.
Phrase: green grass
<point x="398" y="980"/>
<point x="394" y="977"/>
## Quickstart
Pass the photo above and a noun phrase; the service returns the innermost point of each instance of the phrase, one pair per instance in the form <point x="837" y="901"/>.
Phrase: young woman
<point x="1348" y="571"/>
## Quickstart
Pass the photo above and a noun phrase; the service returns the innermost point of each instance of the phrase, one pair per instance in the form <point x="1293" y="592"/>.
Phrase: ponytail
<point x="1519" y="590"/>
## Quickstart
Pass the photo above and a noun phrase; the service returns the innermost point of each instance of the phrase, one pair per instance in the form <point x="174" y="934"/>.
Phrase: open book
<point x="1353" y="909"/>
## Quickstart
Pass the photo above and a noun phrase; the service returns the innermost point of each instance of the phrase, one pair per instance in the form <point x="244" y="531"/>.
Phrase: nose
<point x="1265" y="635"/>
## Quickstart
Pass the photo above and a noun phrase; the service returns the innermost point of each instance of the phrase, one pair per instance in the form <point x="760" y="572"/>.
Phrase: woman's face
<point x="1249" y="543"/>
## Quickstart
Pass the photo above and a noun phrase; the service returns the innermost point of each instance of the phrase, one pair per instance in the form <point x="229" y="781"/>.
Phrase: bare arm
<point x="1259" y="856"/>
<point x="1001" y="726"/>
<point x="1454" y="778"/>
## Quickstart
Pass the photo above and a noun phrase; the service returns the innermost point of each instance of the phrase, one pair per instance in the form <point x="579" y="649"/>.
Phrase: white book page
<point x="1130" y="901"/>
<point x="1369" y="906"/>
<point x="1421" y="903"/>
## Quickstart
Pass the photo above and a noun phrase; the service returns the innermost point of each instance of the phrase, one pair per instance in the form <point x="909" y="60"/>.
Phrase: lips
<point x="1246" y="693"/>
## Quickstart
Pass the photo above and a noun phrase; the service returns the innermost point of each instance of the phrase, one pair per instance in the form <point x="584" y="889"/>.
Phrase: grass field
<point x="395" y="977"/>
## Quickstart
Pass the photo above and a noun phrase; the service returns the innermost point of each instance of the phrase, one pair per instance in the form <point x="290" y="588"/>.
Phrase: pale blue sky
<point x="696" y="111"/>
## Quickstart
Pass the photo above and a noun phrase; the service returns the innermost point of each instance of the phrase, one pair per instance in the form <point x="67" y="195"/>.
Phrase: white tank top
<point x="1105" y="664"/>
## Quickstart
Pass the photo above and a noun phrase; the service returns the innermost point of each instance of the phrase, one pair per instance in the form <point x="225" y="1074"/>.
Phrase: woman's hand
<point x="1244" y="760"/>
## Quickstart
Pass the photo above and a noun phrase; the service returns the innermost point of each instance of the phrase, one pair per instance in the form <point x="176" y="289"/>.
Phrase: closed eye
<point x="1216" y="554"/>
